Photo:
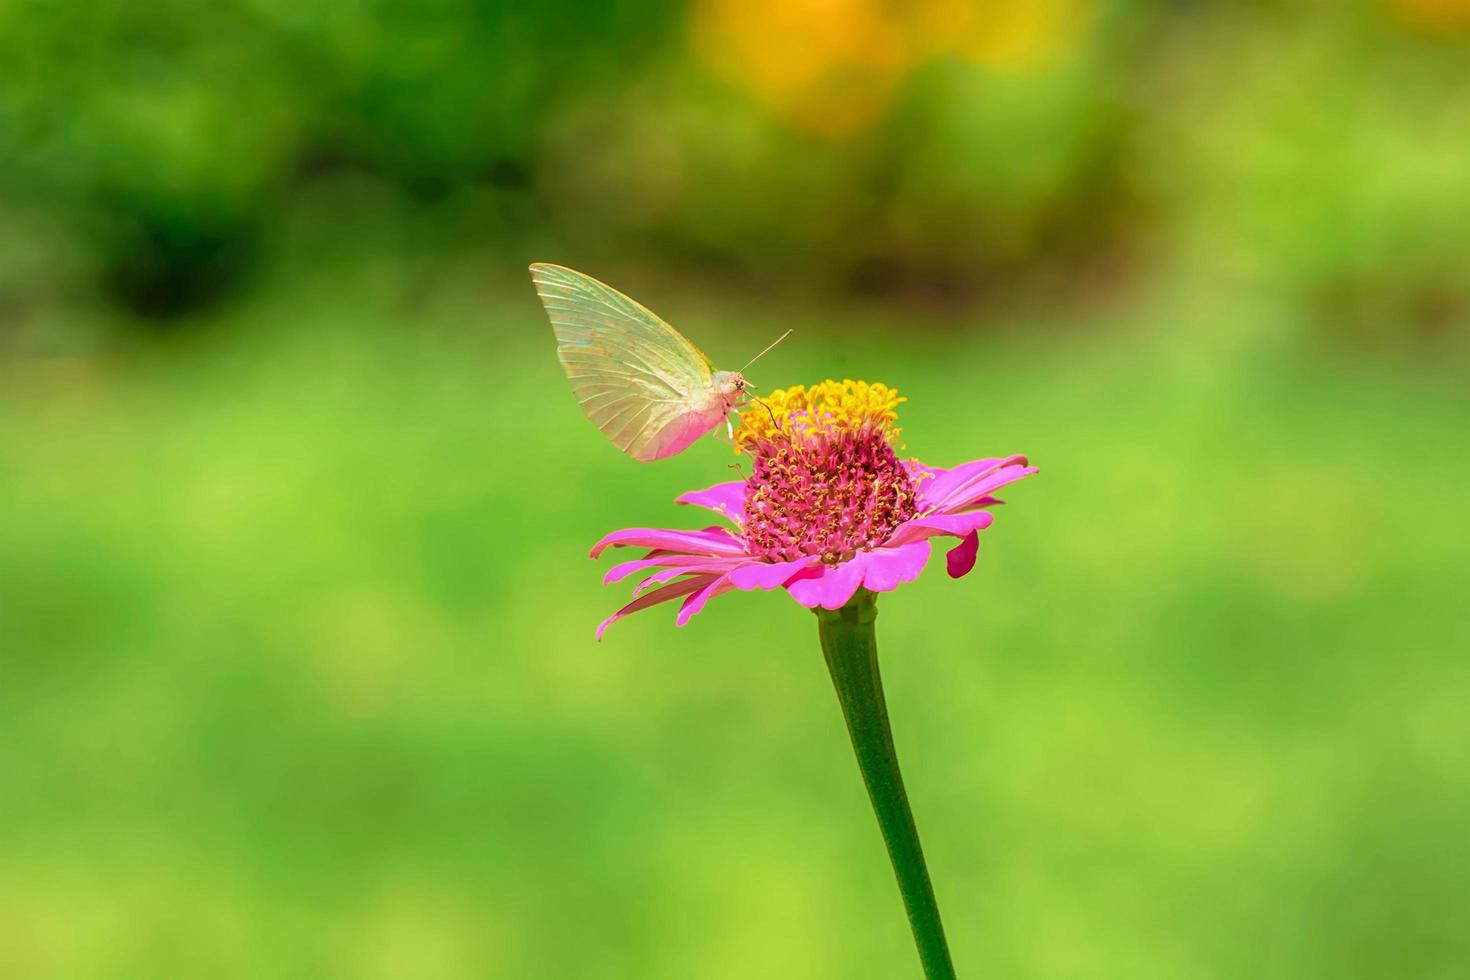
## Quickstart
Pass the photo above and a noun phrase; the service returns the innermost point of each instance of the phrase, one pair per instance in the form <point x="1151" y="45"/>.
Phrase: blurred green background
<point x="297" y="676"/>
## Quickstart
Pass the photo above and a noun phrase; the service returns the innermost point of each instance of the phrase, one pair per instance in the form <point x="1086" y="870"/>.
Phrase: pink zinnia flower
<point x="829" y="509"/>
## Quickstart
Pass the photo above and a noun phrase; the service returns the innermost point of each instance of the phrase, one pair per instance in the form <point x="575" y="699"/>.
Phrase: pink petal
<point x="768" y="575"/>
<point x="695" y="602"/>
<point x="957" y="525"/>
<point x="668" y="574"/>
<point x="927" y="477"/>
<point x="725" y="499"/>
<point x="654" y="598"/>
<point x="953" y="489"/>
<point x="961" y="557"/>
<point x="717" y="566"/>
<point x="977" y="504"/>
<point x="885" y="569"/>
<point x="698" y="563"/>
<point x="828" y="586"/>
<point x="710" y="541"/>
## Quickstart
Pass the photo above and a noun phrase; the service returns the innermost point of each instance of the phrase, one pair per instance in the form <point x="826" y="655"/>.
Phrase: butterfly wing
<point x="635" y="376"/>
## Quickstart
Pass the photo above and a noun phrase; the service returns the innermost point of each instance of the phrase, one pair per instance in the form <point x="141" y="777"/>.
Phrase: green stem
<point x="851" y="649"/>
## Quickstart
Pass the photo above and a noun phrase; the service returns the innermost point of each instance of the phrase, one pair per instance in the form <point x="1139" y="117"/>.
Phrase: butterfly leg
<point x="728" y="438"/>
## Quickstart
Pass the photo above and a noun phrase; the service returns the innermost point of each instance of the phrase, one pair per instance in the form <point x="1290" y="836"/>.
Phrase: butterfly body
<point x="640" y="381"/>
<point x="702" y="416"/>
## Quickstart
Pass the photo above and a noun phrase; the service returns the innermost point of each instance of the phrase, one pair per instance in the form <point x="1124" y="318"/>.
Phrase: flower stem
<point x="851" y="649"/>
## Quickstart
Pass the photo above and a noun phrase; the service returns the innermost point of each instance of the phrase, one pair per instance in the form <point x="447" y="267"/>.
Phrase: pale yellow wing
<point x="632" y="373"/>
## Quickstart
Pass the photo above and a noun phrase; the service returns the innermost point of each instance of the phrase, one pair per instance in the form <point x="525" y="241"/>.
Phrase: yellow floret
<point x="827" y="408"/>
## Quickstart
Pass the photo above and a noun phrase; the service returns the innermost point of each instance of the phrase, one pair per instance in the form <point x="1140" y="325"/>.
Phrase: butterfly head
<point x="729" y="385"/>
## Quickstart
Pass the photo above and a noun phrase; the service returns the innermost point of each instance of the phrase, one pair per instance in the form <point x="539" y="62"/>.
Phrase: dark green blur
<point x="297" y="674"/>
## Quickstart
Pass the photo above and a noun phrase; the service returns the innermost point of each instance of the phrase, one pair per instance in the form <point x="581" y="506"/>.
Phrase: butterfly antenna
<point x="766" y="351"/>
<point x="774" y="424"/>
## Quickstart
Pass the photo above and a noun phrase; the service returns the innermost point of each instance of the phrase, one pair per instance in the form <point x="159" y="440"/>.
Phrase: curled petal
<point x="952" y="490"/>
<point x="961" y="557"/>
<point x="725" y="499"/>
<point x="768" y="575"/>
<point x="957" y="525"/>
<point x="710" y="541"/>
<point x="696" y="600"/>
<point x="885" y="569"/>
<point x="655" y="597"/>
<point x="670" y="574"/>
<point x="828" y="586"/>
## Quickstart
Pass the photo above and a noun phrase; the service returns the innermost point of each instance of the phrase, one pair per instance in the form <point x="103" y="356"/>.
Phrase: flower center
<point x="824" y="409"/>
<point x="825" y="480"/>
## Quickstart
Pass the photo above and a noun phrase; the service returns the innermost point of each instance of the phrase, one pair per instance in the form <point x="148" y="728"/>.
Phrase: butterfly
<point x="650" y="391"/>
